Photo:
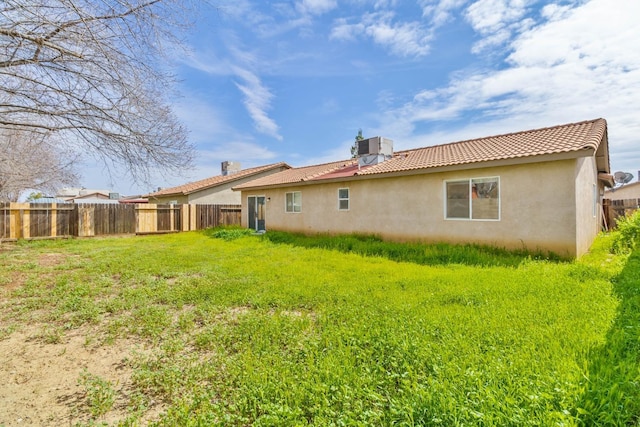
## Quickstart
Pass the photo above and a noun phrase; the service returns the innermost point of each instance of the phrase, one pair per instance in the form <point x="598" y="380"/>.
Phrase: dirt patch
<point x="39" y="383"/>
<point x="51" y="259"/>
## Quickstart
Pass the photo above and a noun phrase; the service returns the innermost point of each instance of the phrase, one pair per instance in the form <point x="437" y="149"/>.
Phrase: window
<point x="293" y="202"/>
<point x="476" y="198"/>
<point x="343" y="199"/>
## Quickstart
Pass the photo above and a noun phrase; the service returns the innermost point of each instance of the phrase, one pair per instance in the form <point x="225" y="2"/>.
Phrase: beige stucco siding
<point x="220" y="194"/>
<point x="180" y="200"/>
<point x="588" y="191"/>
<point x="627" y="191"/>
<point x="538" y="208"/>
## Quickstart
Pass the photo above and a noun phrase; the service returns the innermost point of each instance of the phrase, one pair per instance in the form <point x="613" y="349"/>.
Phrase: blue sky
<point x="293" y="81"/>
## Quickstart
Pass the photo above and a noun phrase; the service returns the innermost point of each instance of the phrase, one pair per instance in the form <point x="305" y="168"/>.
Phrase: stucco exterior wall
<point x="538" y="208"/>
<point x="588" y="203"/>
<point x="221" y="194"/>
<point x="218" y="195"/>
<point x="627" y="191"/>
<point x="180" y="200"/>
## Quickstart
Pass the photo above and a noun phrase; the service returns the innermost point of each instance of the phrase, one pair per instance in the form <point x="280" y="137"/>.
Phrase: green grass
<point x="291" y="330"/>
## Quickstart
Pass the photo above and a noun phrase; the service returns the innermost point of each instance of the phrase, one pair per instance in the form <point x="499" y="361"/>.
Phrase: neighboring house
<point x="217" y="189"/>
<point x="98" y="197"/>
<point x="624" y="192"/>
<point x="537" y="190"/>
<point x="70" y="194"/>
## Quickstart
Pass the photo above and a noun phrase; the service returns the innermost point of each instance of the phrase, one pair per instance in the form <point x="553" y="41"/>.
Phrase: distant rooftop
<point x="191" y="187"/>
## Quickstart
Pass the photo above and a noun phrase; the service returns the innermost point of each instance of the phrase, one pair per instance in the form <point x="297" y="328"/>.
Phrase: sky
<point x="267" y="81"/>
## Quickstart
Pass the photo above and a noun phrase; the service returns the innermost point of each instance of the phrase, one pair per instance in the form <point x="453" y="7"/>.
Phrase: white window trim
<point x="469" y="180"/>
<point x="348" y="199"/>
<point x="293" y="205"/>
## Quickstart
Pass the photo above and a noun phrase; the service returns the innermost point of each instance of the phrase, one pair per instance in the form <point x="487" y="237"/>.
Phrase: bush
<point x="229" y="233"/>
<point x="627" y="234"/>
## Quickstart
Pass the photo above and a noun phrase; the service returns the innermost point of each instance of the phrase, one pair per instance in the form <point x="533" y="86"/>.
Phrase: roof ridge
<point x="336" y="165"/>
<point x="502" y="135"/>
<point x="187" y="188"/>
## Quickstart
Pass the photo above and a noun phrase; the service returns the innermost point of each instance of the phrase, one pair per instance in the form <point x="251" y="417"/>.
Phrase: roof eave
<point x="586" y="152"/>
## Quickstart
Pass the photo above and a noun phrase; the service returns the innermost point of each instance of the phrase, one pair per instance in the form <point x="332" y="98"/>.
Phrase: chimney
<point x="229" y="168"/>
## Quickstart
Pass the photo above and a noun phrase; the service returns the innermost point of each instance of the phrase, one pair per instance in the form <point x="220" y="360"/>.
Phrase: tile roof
<point x="213" y="181"/>
<point x="568" y="138"/>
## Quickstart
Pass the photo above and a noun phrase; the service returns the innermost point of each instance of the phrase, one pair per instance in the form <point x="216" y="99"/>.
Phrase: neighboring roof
<point x="191" y="187"/>
<point x="47" y="200"/>
<point x="624" y="189"/>
<point x="97" y="200"/>
<point x="91" y="196"/>
<point x="80" y="191"/>
<point x="568" y="138"/>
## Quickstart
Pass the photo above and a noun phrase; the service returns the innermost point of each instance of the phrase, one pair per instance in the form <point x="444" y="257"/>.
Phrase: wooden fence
<point x="613" y="209"/>
<point x="51" y="220"/>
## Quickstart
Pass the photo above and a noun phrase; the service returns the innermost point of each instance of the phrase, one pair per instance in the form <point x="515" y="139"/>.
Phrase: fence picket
<point x="51" y="220"/>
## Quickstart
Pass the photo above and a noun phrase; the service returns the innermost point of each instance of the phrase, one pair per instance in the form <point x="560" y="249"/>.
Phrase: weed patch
<point x="298" y="330"/>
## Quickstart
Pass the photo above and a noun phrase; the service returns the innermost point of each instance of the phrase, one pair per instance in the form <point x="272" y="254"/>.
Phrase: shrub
<point x="229" y="233"/>
<point x="628" y="233"/>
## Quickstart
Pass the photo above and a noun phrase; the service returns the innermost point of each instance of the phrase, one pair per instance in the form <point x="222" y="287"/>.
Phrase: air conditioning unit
<point x="372" y="151"/>
<point x="229" y="167"/>
<point x="376" y="145"/>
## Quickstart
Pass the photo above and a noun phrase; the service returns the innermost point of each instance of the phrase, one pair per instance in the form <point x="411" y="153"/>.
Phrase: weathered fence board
<point x="613" y="209"/>
<point x="26" y="221"/>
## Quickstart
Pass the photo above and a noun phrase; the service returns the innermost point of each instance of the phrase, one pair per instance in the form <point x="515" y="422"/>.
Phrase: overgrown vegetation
<point x="228" y="232"/>
<point x="627" y="235"/>
<point x="419" y="253"/>
<point x="292" y="330"/>
<point x="99" y="393"/>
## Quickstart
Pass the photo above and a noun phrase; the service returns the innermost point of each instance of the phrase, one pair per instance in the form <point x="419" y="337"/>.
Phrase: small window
<point x="343" y="199"/>
<point x="293" y="202"/>
<point x="476" y="198"/>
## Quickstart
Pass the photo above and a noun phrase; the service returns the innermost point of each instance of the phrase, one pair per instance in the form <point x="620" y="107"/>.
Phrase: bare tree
<point x="28" y="161"/>
<point x="90" y="74"/>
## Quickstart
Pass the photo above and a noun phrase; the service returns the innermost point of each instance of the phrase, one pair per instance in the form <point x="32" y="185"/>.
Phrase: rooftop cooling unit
<point x="374" y="150"/>
<point x="229" y="167"/>
<point x="375" y="145"/>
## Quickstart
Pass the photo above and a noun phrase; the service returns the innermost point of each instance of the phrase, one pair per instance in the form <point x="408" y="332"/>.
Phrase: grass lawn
<point x="271" y="331"/>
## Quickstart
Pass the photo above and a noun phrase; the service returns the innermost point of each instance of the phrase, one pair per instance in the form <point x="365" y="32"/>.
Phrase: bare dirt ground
<point x="39" y="381"/>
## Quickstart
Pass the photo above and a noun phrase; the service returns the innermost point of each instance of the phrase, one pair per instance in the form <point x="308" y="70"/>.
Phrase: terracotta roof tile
<point x="215" y="180"/>
<point x="573" y="137"/>
<point x="302" y="174"/>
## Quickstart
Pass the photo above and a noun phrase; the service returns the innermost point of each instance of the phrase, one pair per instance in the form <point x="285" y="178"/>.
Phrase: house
<point x="624" y="192"/>
<point x="538" y="190"/>
<point x="216" y="189"/>
<point x="70" y="194"/>
<point x="96" y="197"/>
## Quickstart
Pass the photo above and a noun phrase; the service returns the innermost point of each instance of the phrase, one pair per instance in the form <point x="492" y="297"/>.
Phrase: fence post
<point x="25" y="220"/>
<point x="54" y="219"/>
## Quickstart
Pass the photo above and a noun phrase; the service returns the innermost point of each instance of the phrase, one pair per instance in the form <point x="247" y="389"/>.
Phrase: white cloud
<point x="257" y="100"/>
<point x="344" y="31"/>
<point x="316" y="7"/>
<point x="407" y="39"/>
<point x="579" y="65"/>
<point x="496" y="20"/>
<point x="440" y="11"/>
